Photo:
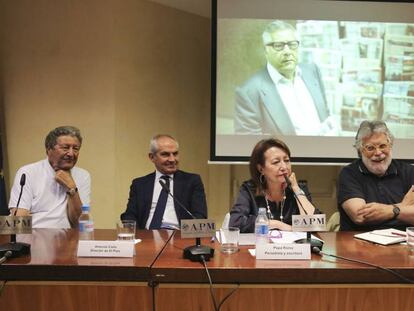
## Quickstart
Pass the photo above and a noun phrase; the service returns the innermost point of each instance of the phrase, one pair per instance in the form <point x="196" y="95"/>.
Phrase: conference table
<point x="159" y="278"/>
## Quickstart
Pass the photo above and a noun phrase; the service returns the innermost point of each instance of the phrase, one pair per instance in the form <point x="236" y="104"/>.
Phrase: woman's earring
<point x="262" y="179"/>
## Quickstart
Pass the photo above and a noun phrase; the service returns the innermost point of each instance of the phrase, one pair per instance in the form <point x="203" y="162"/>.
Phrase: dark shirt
<point x="244" y="212"/>
<point x="355" y="181"/>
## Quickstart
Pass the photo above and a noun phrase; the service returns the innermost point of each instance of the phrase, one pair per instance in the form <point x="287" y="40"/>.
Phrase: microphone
<point x="315" y="244"/>
<point x="289" y="185"/>
<point x="22" y="183"/>
<point x="8" y="254"/>
<point x="16" y="249"/>
<point x="196" y="252"/>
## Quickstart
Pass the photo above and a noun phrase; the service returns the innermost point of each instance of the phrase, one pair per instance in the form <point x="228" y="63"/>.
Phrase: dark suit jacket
<point x="260" y="109"/>
<point x="188" y="189"/>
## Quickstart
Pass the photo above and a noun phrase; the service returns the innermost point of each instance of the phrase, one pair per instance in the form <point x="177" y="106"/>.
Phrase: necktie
<point x="160" y="207"/>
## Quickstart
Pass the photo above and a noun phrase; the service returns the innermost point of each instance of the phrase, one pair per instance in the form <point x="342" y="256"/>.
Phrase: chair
<point x="333" y="222"/>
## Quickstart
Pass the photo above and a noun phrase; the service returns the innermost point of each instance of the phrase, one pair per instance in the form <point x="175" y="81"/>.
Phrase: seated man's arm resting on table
<point x="407" y="207"/>
<point x="20" y="212"/>
<point x="372" y="213"/>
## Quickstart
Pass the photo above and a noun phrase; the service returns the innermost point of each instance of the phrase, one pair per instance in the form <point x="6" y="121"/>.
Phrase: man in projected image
<point x="149" y="203"/>
<point x="285" y="97"/>
<point x="375" y="191"/>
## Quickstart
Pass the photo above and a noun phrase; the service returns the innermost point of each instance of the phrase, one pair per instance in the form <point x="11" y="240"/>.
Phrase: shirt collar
<point x="49" y="169"/>
<point x="277" y="78"/>
<point x="391" y="170"/>
<point x="158" y="175"/>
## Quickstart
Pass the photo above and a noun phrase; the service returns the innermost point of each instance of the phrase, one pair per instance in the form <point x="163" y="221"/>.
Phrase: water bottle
<point x="85" y="224"/>
<point x="262" y="227"/>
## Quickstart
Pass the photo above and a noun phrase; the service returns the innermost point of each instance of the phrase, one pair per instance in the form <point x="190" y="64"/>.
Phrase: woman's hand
<point x="294" y="182"/>
<point x="277" y="224"/>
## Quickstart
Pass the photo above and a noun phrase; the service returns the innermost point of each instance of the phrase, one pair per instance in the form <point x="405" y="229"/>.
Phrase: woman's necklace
<point x="281" y="205"/>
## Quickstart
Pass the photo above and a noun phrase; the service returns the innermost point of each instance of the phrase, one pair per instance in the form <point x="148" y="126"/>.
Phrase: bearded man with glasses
<point x="55" y="189"/>
<point x="285" y="97"/>
<point x="375" y="191"/>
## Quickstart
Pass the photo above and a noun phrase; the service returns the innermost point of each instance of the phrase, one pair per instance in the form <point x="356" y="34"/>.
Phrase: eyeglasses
<point x="381" y="147"/>
<point x="279" y="46"/>
<point x="276" y="234"/>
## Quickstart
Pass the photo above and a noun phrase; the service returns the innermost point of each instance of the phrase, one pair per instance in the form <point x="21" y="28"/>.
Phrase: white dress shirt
<point x="297" y="101"/>
<point x="170" y="219"/>
<point x="44" y="197"/>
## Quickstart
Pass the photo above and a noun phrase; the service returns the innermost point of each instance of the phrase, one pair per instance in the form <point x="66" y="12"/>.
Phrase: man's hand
<point x="74" y="207"/>
<point x="375" y="212"/>
<point x="65" y="179"/>
<point x="408" y="199"/>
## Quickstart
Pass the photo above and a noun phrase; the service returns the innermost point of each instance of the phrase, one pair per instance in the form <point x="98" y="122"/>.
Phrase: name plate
<point x="309" y="223"/>
<point x="283" y="251"/>
<point x="197" y="228"/>
<point x="92" y="248"/>
<point x="15" y="224"/>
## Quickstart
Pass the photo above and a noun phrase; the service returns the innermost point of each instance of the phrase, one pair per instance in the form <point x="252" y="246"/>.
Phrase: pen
<point x="399" y="234"/>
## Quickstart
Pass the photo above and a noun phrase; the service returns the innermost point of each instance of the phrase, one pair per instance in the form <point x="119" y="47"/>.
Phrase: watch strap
<point x="72" y="191"/>
<point x="396" y="211"/>
<point x="300" y="192"/>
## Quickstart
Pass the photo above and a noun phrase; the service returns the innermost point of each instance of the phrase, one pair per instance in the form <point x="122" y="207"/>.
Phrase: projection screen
<point x="355" y="60"/>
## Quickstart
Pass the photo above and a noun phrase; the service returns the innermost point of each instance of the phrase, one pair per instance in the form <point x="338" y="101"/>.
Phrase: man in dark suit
<point x="150" y="205"/>
<point x="283" y="98"/>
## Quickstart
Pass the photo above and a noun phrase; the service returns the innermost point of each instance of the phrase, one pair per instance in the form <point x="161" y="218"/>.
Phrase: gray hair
<point x="275" y="26"/>
<point x="51" y="138"/>
<point x="368" y="128"/>
<point x="154" y="142"/>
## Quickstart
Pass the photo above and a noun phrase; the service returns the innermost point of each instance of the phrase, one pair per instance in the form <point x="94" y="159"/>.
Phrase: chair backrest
<point x="333" y="222"/>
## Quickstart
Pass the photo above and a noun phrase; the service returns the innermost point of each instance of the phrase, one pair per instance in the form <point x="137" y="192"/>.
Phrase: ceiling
<point x="198" y="7"/>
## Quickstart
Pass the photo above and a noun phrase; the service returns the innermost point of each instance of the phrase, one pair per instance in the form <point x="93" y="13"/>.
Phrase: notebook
<point x="383" y="236"/>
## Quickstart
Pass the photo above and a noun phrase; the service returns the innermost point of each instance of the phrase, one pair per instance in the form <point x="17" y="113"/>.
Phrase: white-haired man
<point x="375" y="191"/>
<point x="149" y="203"/>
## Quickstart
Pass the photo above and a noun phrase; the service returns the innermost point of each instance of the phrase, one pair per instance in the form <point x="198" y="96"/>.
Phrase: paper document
<point x="278" y="236"/>
<point x="383" y="236"/>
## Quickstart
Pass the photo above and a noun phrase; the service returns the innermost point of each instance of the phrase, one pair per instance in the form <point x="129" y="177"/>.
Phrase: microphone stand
<point x="195" y="252"/>
<point x="313" y="242"/>
<point x="308" y="240"/>
<point x="198" y="251"/>
<point x="17" y="249"/>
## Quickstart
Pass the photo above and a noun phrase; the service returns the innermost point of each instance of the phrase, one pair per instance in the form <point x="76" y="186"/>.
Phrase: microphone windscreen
<point x="164" y="185"/>
<point x="23" y="180"/>
<point x="287" y="180"/>
<point x="316" y="250"/>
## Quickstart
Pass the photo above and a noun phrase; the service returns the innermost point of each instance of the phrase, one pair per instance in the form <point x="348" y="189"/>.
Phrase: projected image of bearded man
<point x="284" y="97"/>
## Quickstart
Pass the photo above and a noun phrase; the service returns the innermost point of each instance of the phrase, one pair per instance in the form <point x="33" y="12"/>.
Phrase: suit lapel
<point x="311" y="78"/>
<point x="274" y="106"/>
<point x="148" y="193"/>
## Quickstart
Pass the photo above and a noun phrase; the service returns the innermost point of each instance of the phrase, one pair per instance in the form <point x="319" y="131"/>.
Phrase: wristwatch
<point x="396" y="211"/>
<point x="71" y="192"/>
